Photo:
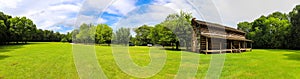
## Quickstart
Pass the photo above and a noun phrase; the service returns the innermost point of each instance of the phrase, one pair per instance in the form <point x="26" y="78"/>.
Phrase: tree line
<point x="22" y="30"/>
<point x="277" y="30"/>
<point x="89" y="33"/>
<point x="175" y="31"/>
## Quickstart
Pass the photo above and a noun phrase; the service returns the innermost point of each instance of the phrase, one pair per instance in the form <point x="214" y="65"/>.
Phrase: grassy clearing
<point x="37" y="60"/>
<point x="55" y="61"/>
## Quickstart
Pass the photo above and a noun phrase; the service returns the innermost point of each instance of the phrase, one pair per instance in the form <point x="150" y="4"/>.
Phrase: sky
<point x="65" y="15"/>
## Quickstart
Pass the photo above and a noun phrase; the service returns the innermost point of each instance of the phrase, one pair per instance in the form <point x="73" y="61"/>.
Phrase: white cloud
<point x="64" y="7"/>
<point x="9" y="4"/>
<point x="101" y="20"/>
<point x="97" y="4"/>
<point x="160" y="2"/>
<point x="46" y="14"/>
<point x="200" y="9"/>
<point x="54" y="15"/>
<point x="151" y="15"/>
<point x="121" y="7"/>
<point x="157" y="12"/>
<point x="229" y="12"/>
<point x="234" y="11"/>
<point x="49" y="14"/>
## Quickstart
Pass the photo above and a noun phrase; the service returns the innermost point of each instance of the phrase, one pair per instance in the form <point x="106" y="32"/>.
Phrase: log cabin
<point x="215" y="38"/>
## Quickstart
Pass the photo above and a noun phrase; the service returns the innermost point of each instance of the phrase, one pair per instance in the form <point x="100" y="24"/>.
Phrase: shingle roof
<point x="228" y="37"/>
<point x="209" y="24"/>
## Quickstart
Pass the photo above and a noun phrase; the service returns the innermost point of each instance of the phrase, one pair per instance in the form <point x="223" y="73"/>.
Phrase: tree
<point x="22" y="29"/>
<point x="245" y="26"/>
<point x="64" y="40"/>
<point x="295" y="29"/>
<point x="103" y="34"/>
<point x="4" y="26"/>
<point x="180" y="24"/>
<point x="3" y="34"/>
<point x="86" y="34"/>
<point x="69" y="37"/>
<point x="122" y="36"/>
<point x="74" y="33"/>
<point x="268" y="32"/>
<point x="162" y="35"/>
<point x="142" y="35"/>
<point x="39" y="35"/>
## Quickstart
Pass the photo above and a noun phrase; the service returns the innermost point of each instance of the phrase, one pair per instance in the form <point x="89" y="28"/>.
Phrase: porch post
<point x="220" y="47"/>
<point x="239" y="46"/>
<point x="231" y="45"/>
<point x="251" y="47"/>
<point x="206" y="45"/>
<point x="245" y="46"/>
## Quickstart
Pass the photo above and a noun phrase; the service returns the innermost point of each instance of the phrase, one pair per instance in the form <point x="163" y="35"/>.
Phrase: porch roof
<point x="237" y="38"/>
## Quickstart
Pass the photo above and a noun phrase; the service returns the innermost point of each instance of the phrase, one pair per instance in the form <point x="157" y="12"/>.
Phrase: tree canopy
<point x="295" y="29"/>
<point x="143" y="35"/>
<point x="277" y="30"/>
<point x="89" y="33"/>
<point x="122" y="36"/>
<point x="22" y="29"/>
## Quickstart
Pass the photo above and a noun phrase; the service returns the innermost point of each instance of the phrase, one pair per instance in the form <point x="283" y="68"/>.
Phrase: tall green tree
<point x="295" y="29"/>
<point x="74" y="33"/>
<point x="122" y="36"/>
<point x="268" y="32"/>
<point x="103" y="34"/>
<point x="180" y="24"/>
<point x="245" y="26"/>
<point x="4" y="26"/>
<point x="162" y="35"/>
<point x="86" y="34"/>
<point x="143" y="35"/>
<point x="3" y="32"/>
<point x="21" y="29"/>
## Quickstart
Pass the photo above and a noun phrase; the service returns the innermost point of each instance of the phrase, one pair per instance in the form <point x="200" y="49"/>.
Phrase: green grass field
<point x="55" y="61"/>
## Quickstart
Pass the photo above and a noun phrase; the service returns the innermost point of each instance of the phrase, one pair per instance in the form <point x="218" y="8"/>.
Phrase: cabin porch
<point x="224" y="45"/>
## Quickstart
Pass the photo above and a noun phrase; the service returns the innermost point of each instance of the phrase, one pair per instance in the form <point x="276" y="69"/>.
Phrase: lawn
<point x="55" y="61"/>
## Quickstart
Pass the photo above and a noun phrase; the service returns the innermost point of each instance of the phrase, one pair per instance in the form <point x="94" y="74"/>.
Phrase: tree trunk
<point x="177" y="45"/>
<point x="172" y="46"/>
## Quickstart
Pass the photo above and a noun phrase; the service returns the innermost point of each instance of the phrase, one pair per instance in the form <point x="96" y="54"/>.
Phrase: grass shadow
<point x="13" y="46"/>
<point x="293" y="56"/>
<point x="7" y="48"/>
<point x="171" y="49"/>
<point x="3" y="57"/>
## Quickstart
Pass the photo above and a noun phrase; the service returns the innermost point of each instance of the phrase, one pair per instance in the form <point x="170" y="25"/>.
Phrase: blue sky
<point x="63" y="15"/>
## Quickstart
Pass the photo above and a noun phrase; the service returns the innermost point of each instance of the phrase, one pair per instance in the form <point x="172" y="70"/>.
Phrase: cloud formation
<point x="62" y="15"/>
<point x="235" y="11"/>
